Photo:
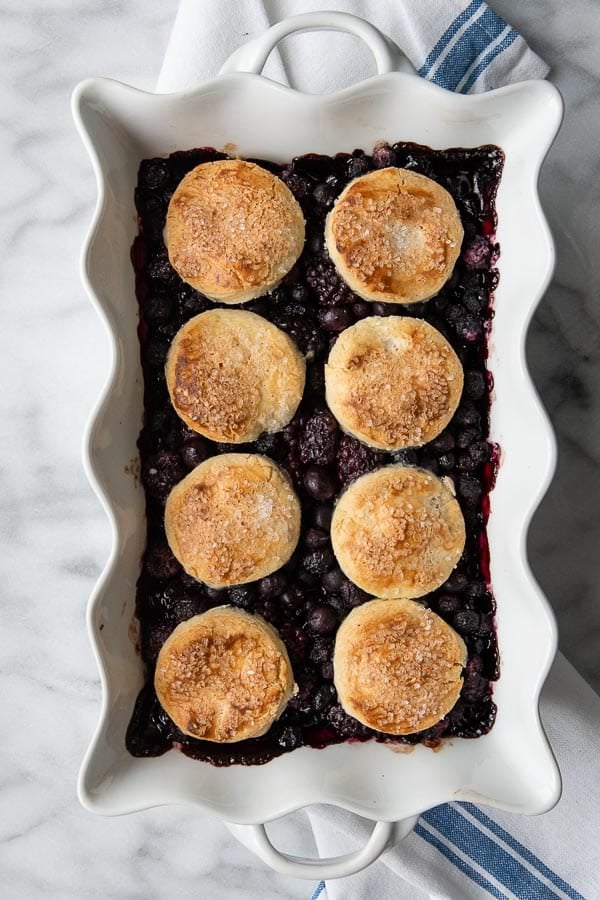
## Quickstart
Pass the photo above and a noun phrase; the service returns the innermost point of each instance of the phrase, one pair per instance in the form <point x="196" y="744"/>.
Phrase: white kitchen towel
<point x="460" y="851"/>
<point x="462" y="46"/>
<point x="457" y="851"/>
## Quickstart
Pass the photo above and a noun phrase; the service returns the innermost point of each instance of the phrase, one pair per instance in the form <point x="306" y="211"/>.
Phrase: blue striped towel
<point x="457" y="851"/>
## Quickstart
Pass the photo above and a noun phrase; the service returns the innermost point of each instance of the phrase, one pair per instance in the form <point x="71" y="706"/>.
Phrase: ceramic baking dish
<point x="512" y="767"/>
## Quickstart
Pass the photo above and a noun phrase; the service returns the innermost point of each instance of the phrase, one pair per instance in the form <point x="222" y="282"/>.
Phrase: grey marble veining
<point x="55" y="537"/>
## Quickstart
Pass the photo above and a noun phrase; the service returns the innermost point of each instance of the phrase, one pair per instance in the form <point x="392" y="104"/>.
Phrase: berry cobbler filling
<point x="310" y="596"/>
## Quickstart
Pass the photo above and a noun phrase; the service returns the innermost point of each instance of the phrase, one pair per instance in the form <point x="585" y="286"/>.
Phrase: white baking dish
<point x="512" y="767"/>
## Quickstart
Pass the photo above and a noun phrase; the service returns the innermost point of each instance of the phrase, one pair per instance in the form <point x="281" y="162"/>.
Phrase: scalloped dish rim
<point x="512" y="767"/>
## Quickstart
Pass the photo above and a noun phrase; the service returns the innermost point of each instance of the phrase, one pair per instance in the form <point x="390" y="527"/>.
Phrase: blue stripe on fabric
<point x="460" y="864"/>
<point x="318" y="890"/>
<point x="449" y="33"/>
<point x="527" y="855"/>
<point x="483" y="850"/>
<point x="485" y="62"/>
<point x="486" y="28"/>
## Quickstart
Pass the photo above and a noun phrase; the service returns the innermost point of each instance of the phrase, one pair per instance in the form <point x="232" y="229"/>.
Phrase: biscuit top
<point x="398" y="532"/>
<point x="398" y="666"/>
<point x="233" y="519"/>
<point x="394" y="235"/>
<point x="233" y="230"/>
<point x="224" y="675"/>
<point x="232" y="375"/>
<point x="393" y="382"/>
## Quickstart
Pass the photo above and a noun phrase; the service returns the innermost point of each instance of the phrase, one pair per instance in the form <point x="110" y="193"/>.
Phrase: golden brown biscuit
<point x="394" y="236"/>
<point x="232" y="375"/>
<point x="393" y="382"/>
<point x="397" y="666"/>
<point x="398" y="532"/>
<point x="224" y="676"/>
<point x="233" y="230"/>
<point x="233" y="519"/>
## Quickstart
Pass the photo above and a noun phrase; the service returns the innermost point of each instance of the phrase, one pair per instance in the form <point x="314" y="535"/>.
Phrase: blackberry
<point x="476" y="254"/>
<point x="383" y="156"/>
<point x="327" y="284"/>
<point x="355" y="459"/>
<point x="318" y="438"/>
<point x="241" y="595"/>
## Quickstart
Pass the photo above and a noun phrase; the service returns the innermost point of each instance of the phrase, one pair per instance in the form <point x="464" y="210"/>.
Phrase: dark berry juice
<point x="308" y="598"/>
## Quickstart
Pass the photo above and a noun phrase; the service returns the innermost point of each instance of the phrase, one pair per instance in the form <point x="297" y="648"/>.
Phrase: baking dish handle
<point x="252" y="56"/>
<point x="383" y="836"/>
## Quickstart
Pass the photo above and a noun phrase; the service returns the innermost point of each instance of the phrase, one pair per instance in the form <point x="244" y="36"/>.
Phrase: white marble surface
<point x="55" y="537"/>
